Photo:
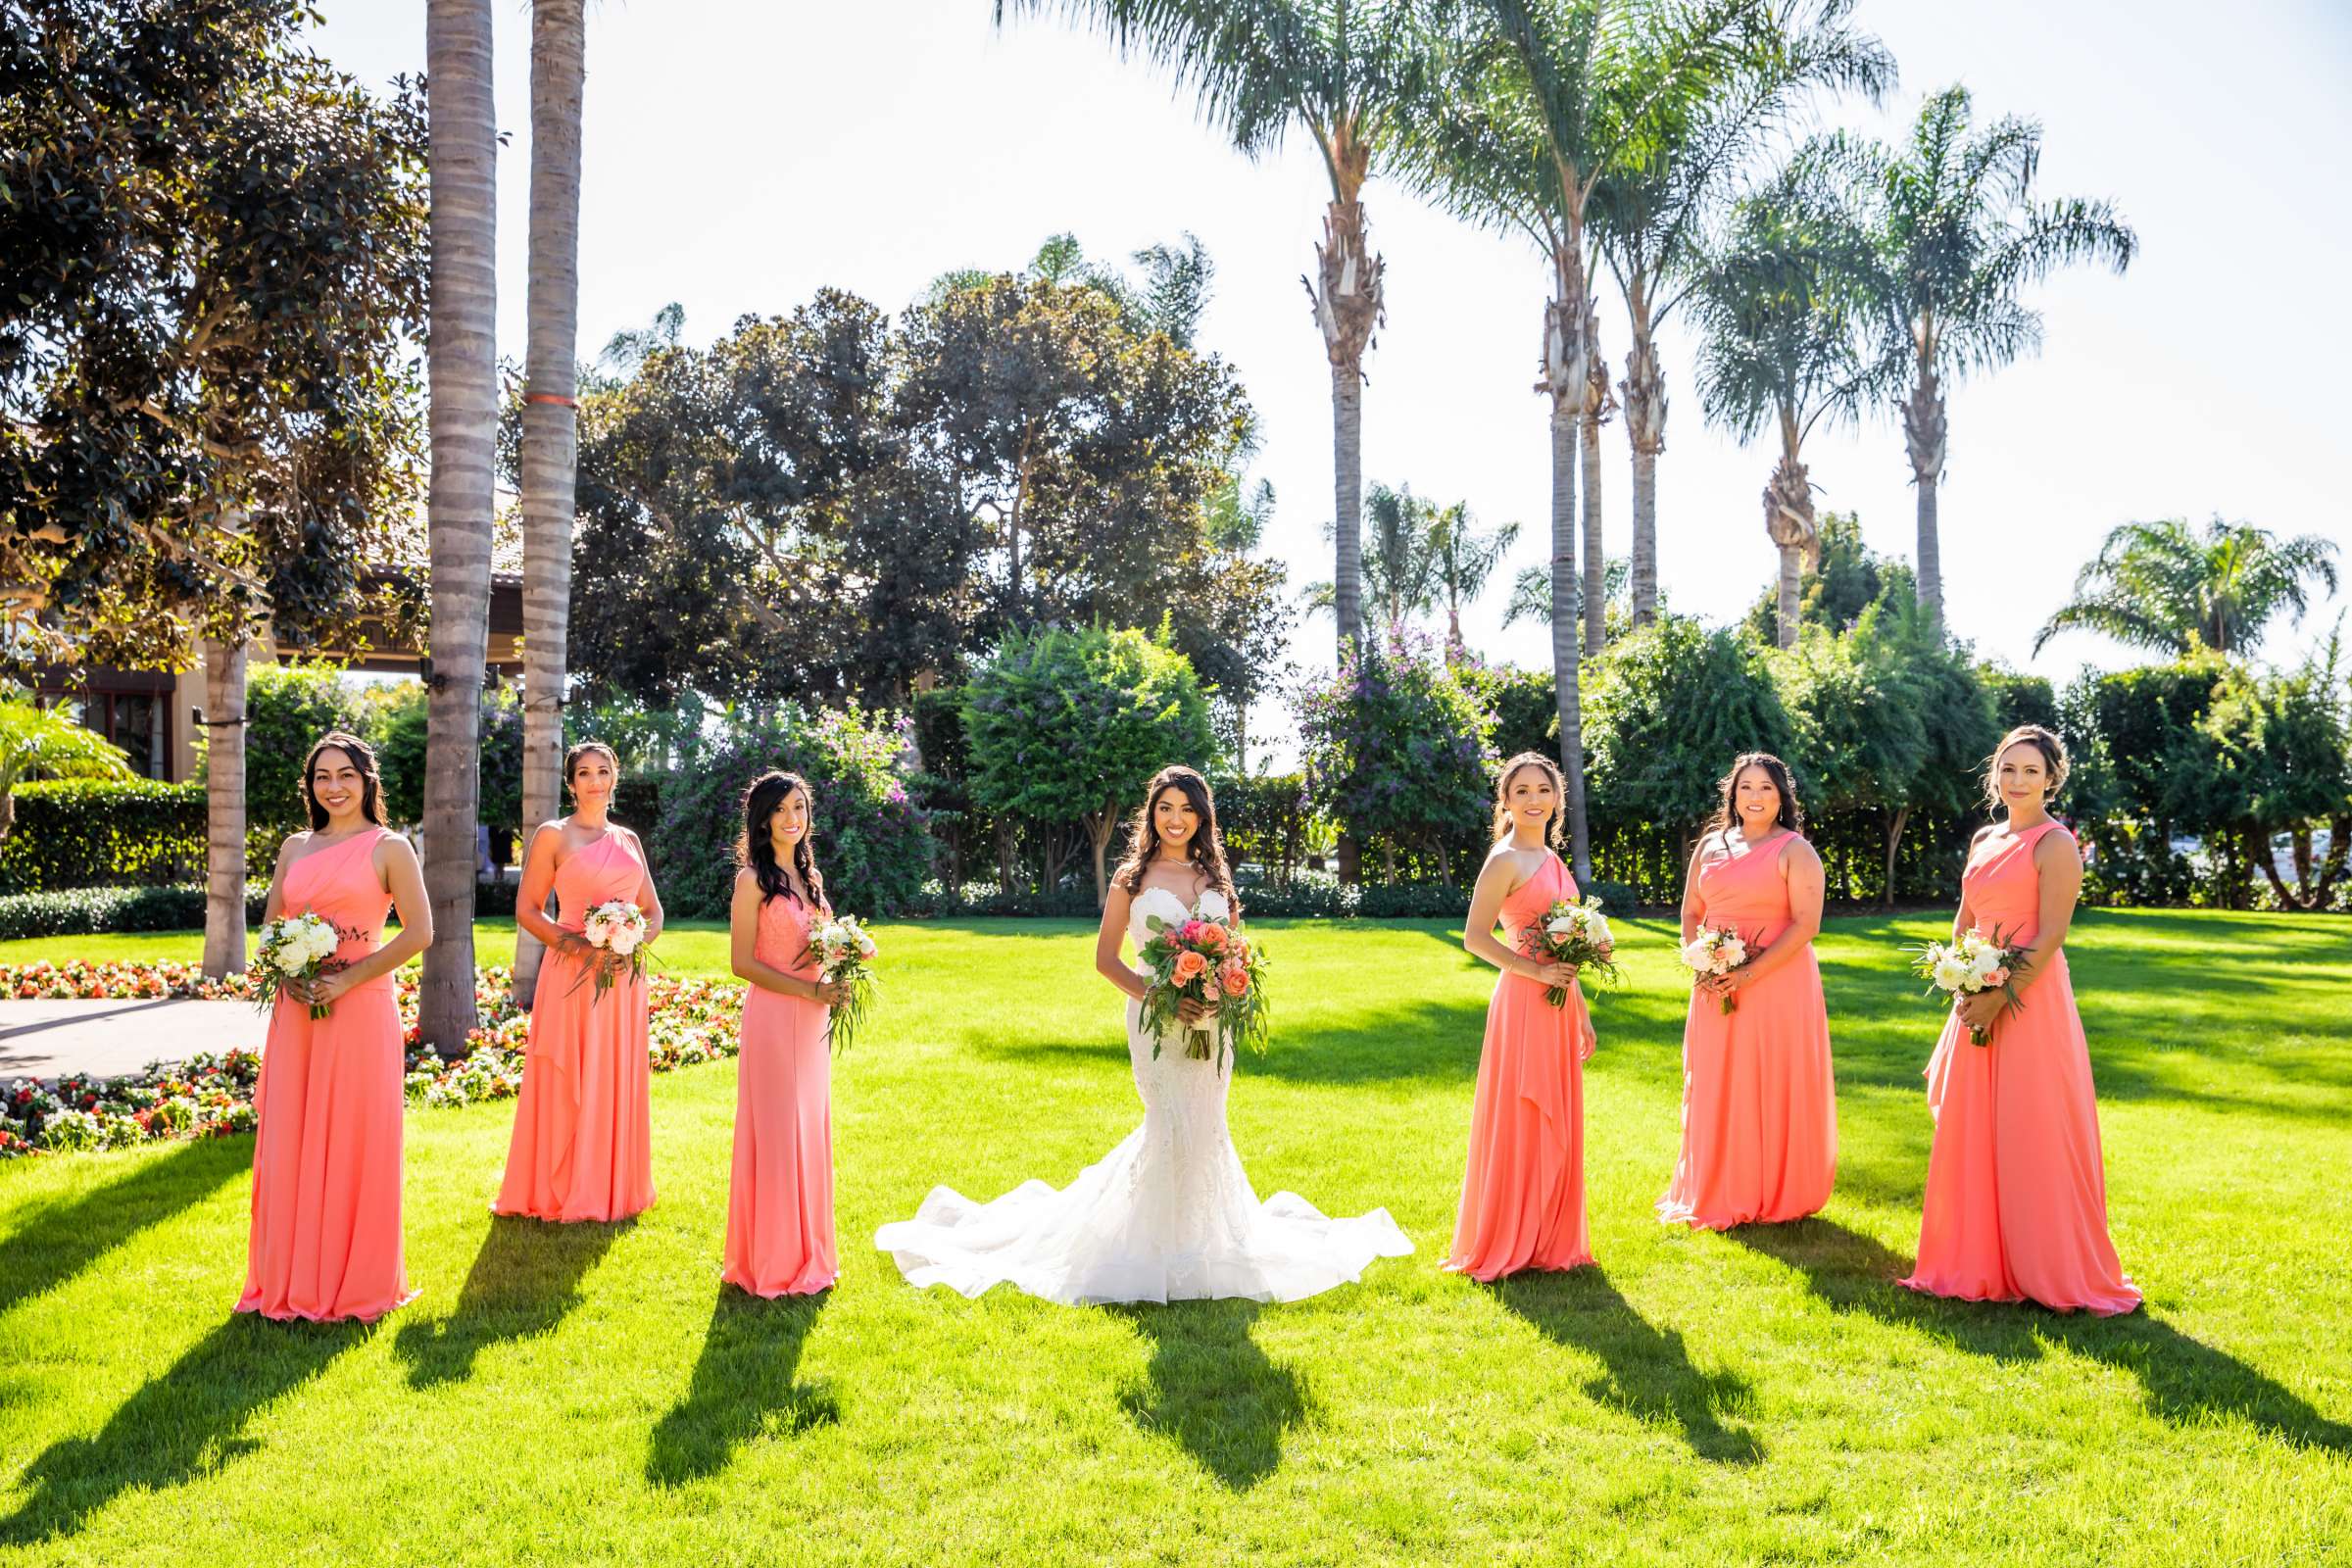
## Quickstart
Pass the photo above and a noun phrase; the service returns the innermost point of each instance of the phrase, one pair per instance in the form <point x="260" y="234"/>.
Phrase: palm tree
<point x="1529" y="103"/>
<point x="1960" y="233"/>
<point x="1648" y="214"/>
<point x="551" y="442"/>
<point x="1337" y="71"/>
<point x="2171" y="587"/>
<point x="1399" y="560"/>
<point x="37" y="742"/>
<point x="461" y="363"/>
<point x="1781" y="303"/>
<point x="1463" y="559"/>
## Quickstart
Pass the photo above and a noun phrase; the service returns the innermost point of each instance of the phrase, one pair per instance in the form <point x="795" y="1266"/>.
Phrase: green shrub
<point x="1397" y="752"/>
<point x="79" y="833"/>
<point x="870" y="841"/>
<point x="104" y="912"/>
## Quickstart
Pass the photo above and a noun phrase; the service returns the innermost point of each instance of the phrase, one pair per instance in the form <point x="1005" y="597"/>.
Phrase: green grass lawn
<point x="588" y="1395"/>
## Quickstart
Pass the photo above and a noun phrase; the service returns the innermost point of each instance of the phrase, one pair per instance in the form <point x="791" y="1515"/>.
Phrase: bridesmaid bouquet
<point x="1975" y="963"/>
<point x="294" y="948"/>
<point x="618" y="927"/>
<point x="843" y="954"/>
<point x="1205" y="958"/>
<point x="1572" y="932"/>
<point x="1716" y="951"/>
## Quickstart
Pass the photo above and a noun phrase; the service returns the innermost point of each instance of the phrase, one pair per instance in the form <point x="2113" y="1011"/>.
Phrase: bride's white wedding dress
<point x="1168" y="1215"/>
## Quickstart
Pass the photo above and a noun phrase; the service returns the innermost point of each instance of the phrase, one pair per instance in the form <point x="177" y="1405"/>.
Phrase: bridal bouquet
<point x="1205" y="958"/>
<point x="618" y="927"/>
<point x="844" y="955"/>
<point x="1973" y="964"/>
<point x="294" y="948"/>
<point x="1716" y="951"/>
<point x="1572" y="932"/>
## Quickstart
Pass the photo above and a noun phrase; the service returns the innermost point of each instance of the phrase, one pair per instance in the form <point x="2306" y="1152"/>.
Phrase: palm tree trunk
<point x="1597" y="407"/>
<point x="1346" y="292"/>
<point x="1564" y="367"/>
<point x="1788" y="521"/>
<point x="1644" y="391"/>
<point x="224" y="806"/>
<point x="1347" y="491"/>
<point x="1924" y="437"/>
<point x="1894" y="839"/>
<point x="550" y="421"/>
<point x="461" y="363"/>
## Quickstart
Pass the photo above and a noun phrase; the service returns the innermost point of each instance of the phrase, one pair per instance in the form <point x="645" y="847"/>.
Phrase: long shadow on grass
<point x="187" y="1422"/>
<point x="1213" y="1389"/>
<point x="1648" y="1374"/>
<point x="523" y="1280"/>
<point x="62" y="1240"/>
<point x="2185" y="1379"/>
<point x="742" y="1384"/>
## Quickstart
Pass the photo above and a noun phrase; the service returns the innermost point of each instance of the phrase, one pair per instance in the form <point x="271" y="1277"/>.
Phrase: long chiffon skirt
<point x="780" y="1201"/>
<point x="2016" y="1205"/>
<point x="1523" y="1195"/>
<point x="325" y="1238"/>
<point x="1759" y="1105"/>
<point x="582" y="1147"/>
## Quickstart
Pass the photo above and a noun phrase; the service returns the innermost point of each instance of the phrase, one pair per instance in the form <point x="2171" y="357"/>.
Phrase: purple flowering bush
<point x="1399" y="752"/>
<point x="873" y="840"/>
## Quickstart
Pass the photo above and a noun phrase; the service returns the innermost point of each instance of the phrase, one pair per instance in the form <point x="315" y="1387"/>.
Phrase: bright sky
<point x="739" y="157"/>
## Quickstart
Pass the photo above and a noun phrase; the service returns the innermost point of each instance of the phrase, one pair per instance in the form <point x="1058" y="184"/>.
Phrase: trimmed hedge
<point x="77" y="833"/>
<point x="104" y="912"/>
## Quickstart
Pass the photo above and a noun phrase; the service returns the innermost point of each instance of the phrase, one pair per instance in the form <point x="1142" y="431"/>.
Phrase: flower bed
<point x="693" y="1020"/>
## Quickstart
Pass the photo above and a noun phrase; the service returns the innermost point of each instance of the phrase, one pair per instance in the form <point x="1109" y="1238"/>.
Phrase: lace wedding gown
<point x="1168" y="1215"/>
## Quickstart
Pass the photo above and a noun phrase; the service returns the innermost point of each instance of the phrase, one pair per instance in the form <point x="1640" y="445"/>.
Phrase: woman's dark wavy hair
<point x="1792" y="813"/>
<point x="1207" y="850"/>
<point x="755" y="849"/>
<point x="363" y="758"/>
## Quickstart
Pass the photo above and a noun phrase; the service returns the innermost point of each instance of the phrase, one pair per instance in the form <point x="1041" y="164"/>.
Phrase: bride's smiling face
<point x="1174" y="820"/>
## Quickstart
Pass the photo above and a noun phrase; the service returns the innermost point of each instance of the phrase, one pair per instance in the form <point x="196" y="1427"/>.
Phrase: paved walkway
<point x="45" y="1039"/>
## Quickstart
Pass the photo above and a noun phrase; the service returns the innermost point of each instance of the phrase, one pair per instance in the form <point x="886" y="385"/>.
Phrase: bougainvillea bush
<point x="693" y="1020"/>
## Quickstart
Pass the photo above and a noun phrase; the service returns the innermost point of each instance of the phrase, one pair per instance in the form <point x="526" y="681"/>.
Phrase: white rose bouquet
<point x="1716" y="951"/>
<point x="1572" y="932"/>
<point x="1964" y="967"/>
<point x="294" y="949"/>
<point x="618" y="927"/>
<point x="844" y="957"/>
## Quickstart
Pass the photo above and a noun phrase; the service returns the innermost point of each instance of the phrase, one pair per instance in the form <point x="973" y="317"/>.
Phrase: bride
<point x="1169" y="1214"/>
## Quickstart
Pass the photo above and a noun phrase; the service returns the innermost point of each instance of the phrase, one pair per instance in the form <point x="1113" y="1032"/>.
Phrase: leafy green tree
<point x="2281" y="766"/>
<point x="1397" y="750"/>
<point x="1071" y="724"/>
<point x="1959" y="230"/>
<point x="2173" y="588"/>
<point x="2144" y="770"/>
<point x="1525" y="106"/>
<point x="1340" y="70"/>
<point x="1846" y="579"/>
<point x="1462" y="558"/>
<point x="1649" y="214"/>
<point x="287" y="707"/>
<point x="217" y="248"/>
<point x="38" y="742"/>
<point x="1781" y="301"/>
<point x="1671" y="704"/>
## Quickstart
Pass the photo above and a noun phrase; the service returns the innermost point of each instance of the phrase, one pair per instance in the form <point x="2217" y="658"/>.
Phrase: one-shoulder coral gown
<point x="781" y="1202"/>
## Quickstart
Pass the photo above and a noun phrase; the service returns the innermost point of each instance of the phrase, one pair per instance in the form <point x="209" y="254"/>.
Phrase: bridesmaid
<point x="582" y="1147"/>
<point x="2017" y="1189"/>
<point x="1759" y="1103"/>
<point x="780" y="1202"/>
<point x="324" y="1240"/>
<point x="1523" y="1196"/>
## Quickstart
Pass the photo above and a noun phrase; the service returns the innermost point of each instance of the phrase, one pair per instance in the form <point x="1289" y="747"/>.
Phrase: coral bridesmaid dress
<point x="1759" y="1101"/>
<point x="780" y="1202"/>
<point x="2016" y="1189"/>
<point x="582" y="1144"/>
<point x="1523" y="1196"/>
<point x="325" y="1234"/>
